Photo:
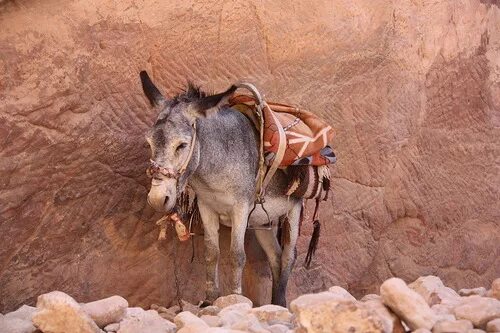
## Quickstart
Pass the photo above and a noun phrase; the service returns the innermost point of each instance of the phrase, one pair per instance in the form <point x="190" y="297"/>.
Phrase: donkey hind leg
<point x="269" y="243"/>
<point x="288" y="255"/>
<point x="211" y="237"/>
<point x="239" y="217"/>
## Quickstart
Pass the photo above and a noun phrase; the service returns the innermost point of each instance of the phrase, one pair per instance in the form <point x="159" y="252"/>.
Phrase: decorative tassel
<point x="313" y="243"/>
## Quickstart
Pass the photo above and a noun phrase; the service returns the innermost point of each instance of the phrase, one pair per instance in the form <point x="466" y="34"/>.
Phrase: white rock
<point x="60" y="313"/>
<point x="452" y="326"/>
<point x="278" y="328"/>
<point x="212" y="321"/>
<point x="421" y="330"/>
<point x="341" y="292"/>
<point x="432" y="289"/>
<point x="249" y="323"/>
<point x="370" y="297"/>
<point x="443" y="309"/>
<point x="323" y="313"/>
<point x="189" y="329"/>
<point x="479" y="310"/>
<point x="228" y="300"/>
<point x="407" y="304"/>
<point x="149" y="321"/>
<point x="390" y="321"/>
<point x="16" y="325"/>
<point x="481" y="291"/>
<point x="211" y="310"/>
<point x="233" y="314"/>
<point x="493" y="326"/>
<point x="494" y="292"/>
<point x="114" y="327"/>
<point x="186" y="318"/>
<point x="25" y="312"/>
<point x="106" y="311"/>
<point x="476" y="330"/>
<point x="272" y="313"/>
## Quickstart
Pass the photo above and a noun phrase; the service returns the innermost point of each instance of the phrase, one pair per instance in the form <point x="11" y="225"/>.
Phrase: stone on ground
<point x="228" y="300"/>
<point x="452" y="326"/>
<point x="233" y="314"/>
<point x="60" y="313"/>
<point x="407" y="304"/>
<point x="137" y="321"/>
<point x="211" y="310"/>
<point x="319" y="313"/>
<point x="494" y="292"/>
<point x="391" y="323"/>
<point x="25" y="312"/>
<point x="432" y="289"/>
<point x="481" y="291"/>
<point x="272" y="313"/>
<point x="106" y="311"/>
<point x="186" y="318"/>
<point x="341" y="292"/>
<point x="212" y="321"/>
<point x="479" y="310"/>
<point x="493" y="326"/>
<point x="278" y="328"/>
<point x="16" y="325"/>
<point x="114" y="327"/>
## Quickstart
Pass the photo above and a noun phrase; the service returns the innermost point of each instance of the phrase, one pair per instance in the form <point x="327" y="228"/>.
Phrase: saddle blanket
<point x="307" y="136"/>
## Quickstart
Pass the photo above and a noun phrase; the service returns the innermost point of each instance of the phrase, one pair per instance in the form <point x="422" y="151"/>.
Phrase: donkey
<point x="197" y="140"/>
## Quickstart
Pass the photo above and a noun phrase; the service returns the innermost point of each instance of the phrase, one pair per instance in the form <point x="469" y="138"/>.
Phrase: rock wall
<point x="411" y="87"/>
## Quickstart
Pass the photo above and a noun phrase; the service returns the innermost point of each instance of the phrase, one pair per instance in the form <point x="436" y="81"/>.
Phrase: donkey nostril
<point x="165" y="201"/>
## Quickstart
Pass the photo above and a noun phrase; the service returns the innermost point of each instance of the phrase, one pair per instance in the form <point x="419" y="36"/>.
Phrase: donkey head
<point x="172" y="138"/>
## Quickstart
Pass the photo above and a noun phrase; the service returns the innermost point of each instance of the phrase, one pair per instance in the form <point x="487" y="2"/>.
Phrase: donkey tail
<point x="313" y="243"/>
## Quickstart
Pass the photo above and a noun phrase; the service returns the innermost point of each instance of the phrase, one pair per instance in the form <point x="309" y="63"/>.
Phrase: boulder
<point x="60" y="313"/>
<point x="407" y="304"/>
<point x="272" y="313"/>
<point x="421" y="330"/>
<point x="317" y="313"/>
<point x="106" y="311"/>
<point x="432" y="289"/>
<point x="341" y="292"/>
<point x="209" y="310"/>
<point x="452" y="326"/>
<point x="234" y="314"/>
<point x="212" y="321"/>
<point x="114" y="327"/>
<point x="479" y="310"/>
<point x="481" y="291"/>
<point x="476" y="330"/>
<point x="25" y="312"/>
<point x="228" y="300"/>
<point x="249" y="323"/>
<point x="16" y="325"/>
<point x="186" y="318"/>
<point x="370" y="297"/>
<point x="278" y="328"/>
<point x="493" y="326"/>
<point x="137" y="321"/>
<point x="391" y="323"/>
<point x="494" y="292"/>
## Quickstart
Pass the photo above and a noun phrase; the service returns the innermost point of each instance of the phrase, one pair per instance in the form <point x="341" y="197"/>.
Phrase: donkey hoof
<point x="205" y="303"/>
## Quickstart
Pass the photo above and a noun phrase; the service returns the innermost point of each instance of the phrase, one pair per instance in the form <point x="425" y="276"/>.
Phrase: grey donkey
<point x="220" y="164"/>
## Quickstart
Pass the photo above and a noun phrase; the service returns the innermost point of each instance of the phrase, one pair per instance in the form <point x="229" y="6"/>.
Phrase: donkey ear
<point x="152" y="93"/>
<point x="210" y="104"/>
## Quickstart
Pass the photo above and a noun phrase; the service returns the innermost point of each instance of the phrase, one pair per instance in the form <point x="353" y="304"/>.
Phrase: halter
<point x="156" y="168"/>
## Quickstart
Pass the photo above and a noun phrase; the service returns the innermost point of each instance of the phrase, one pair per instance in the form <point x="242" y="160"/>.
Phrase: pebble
<point x="452" y="326"/>
<point x="225" y="301"/>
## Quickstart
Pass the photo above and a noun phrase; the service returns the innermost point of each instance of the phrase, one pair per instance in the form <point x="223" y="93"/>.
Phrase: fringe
<point x="313" y="243"/>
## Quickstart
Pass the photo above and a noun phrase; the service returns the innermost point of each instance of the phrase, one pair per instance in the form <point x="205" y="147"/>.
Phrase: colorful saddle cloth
<point x="307" y="136"/>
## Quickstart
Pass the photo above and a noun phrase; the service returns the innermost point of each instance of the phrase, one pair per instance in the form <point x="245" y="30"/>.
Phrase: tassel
<point x="313" y="243"/>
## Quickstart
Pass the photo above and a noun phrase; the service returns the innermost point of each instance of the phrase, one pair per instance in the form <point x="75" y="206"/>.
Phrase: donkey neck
<point x="227" y="154"/>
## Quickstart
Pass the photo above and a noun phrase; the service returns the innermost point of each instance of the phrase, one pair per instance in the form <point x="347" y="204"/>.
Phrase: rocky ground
<point x="425" y="305"/>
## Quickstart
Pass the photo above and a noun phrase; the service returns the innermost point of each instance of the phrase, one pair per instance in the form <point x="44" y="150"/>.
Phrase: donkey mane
<point x="191" y="94"/>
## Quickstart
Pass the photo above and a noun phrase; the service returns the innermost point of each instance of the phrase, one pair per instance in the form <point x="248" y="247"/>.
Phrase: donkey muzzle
<point x="162" y="195"/>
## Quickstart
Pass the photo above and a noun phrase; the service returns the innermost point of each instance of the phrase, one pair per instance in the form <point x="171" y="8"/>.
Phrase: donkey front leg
<point x="239" y="217"/>
<point x="211" y="237"/>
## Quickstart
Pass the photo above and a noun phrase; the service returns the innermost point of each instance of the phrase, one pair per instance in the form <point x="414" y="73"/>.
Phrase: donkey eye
<point x="181" y="146"/>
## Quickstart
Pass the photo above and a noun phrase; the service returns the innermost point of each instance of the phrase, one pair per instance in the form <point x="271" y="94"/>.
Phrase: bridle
<point x="155" y="168"/>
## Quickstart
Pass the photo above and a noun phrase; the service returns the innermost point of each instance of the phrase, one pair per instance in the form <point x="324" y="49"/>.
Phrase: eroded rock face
<point x="411" y="88"/>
